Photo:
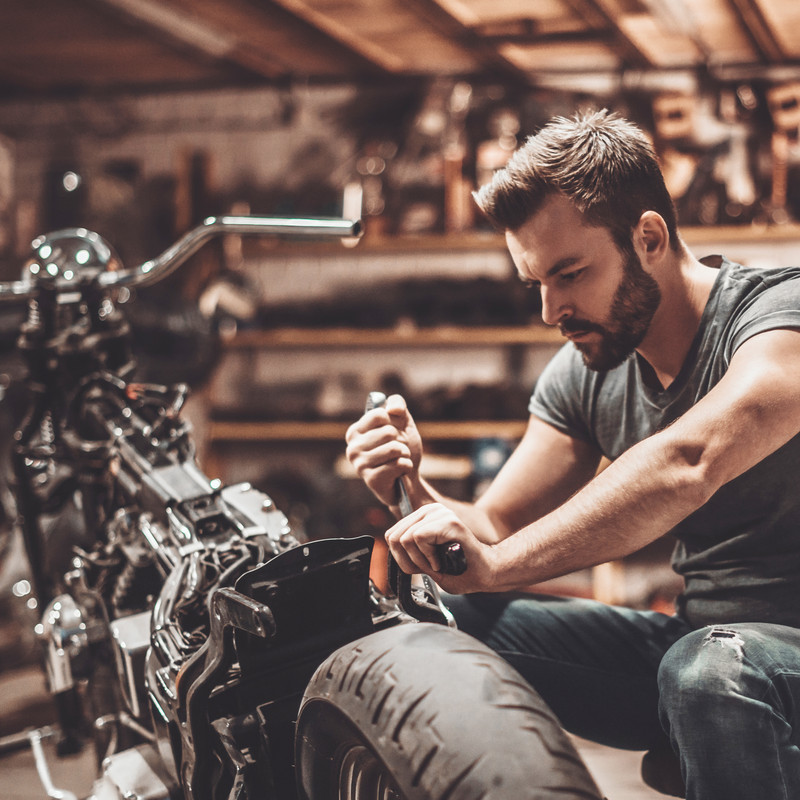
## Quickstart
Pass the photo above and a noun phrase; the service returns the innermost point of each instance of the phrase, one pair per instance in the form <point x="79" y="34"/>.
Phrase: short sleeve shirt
<point x="739" y="554"/>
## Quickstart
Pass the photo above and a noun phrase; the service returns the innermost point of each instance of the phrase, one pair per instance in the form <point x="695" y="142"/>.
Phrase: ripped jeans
<point x="727" y="697"/>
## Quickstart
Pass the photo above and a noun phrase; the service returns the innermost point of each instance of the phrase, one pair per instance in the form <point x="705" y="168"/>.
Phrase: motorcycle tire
<point x="424" y="712"/>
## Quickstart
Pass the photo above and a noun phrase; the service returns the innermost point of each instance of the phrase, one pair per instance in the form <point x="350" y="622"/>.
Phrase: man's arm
<point x="545" y="469"/>
<point x="753" y="411"/>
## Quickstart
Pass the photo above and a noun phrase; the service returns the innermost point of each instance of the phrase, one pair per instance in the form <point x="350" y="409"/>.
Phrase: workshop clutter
<point x="341" y="398"/>
<point x="406" y="156"/>
<point x="422" y="303"/>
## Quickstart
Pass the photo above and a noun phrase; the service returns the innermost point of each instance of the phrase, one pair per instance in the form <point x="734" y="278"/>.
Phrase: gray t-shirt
<point x="739" y="554"/>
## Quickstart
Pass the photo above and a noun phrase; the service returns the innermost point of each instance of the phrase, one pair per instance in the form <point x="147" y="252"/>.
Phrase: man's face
<point x="600" y="299"/>
<point x="632" y="308"/>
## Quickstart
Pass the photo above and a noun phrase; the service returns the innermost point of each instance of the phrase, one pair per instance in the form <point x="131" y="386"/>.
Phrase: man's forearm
<point x="477" y="520"/>
<point x="638" y="498"/>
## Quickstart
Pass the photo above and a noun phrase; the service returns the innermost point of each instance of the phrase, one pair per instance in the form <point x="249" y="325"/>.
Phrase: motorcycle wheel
<point x="423" y="712"/>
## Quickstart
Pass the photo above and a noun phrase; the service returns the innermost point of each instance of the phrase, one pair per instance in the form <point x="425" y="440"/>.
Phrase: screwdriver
<point x="451" y="554"/>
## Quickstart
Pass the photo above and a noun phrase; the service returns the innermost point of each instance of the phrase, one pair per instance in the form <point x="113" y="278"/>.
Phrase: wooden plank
<point x="440" y="336"/>
<point x="246" y="431"/>
<point x="782" y="23"/>
<point x="387" y="32"/>
<point x="473" y="241"/>
<point x="51" y="44"/>
<point x="268" y="31"/>
<point x="664" y="48"/>
<point x="565" y="56"/>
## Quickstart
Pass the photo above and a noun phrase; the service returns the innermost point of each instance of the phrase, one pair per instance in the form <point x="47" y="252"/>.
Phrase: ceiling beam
<point x="239" y="35"/>
<point x="521" y="34"/>
<point x="345" y="34"/>
<point x="758" y="30"/>
<point x="201" y="36"/>
<point x="674" y="16"/>
<point x="596" y="14"/>
<point x="451" y="27"/>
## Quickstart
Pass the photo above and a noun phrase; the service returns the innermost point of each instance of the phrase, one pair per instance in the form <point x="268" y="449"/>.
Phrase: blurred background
<point x="139" y="118"/>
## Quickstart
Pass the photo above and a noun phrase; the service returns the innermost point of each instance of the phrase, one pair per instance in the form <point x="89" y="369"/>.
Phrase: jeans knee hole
<point x="725" y="637"/>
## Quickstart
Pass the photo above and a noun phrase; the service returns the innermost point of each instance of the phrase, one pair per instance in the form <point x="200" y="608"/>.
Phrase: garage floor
<point x="616" y="773"/>
<point x="24" y="703"/>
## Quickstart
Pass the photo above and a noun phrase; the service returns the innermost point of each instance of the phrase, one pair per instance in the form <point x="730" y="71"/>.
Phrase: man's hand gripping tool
<point x="451" y="558"/>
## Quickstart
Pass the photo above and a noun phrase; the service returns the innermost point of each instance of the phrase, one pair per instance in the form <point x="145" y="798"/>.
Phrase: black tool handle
<point x="452" y="559"/>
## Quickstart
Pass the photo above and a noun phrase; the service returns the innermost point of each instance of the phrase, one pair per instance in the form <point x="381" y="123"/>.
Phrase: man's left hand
<point x="412" y="541"/>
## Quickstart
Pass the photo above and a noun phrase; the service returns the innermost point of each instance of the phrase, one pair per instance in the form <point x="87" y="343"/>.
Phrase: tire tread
<point x="407" y="693"/>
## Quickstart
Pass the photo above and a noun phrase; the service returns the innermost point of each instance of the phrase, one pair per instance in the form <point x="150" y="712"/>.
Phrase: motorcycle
<point x="203" y="649"/>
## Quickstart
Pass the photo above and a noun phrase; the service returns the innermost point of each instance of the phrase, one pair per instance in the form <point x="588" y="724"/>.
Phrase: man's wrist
<point x="419" y="492"/>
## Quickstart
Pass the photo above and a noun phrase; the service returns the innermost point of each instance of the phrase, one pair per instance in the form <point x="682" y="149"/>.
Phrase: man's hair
<point x="601" y="162"/>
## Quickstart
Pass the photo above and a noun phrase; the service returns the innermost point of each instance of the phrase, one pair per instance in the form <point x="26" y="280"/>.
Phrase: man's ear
<point x="651" y="237"/>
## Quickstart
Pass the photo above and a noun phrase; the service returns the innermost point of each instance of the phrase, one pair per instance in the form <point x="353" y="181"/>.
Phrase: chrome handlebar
<point x="66" y="259"/>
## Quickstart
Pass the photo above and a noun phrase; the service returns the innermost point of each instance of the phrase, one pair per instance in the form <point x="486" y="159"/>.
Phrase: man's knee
<point x="700" y="663"/>
<point x="707" y="670"/>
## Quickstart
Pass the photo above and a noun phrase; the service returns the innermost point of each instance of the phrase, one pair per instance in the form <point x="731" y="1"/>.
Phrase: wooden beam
<point x="265" y="42"/>
<point x="513" y="35"/>
<point x="600" y="18"/>
<point x="758" y="30"/>
<point x="341" y="31"/>
<point x="169" y="22"/>
<point x="468" y="37"/>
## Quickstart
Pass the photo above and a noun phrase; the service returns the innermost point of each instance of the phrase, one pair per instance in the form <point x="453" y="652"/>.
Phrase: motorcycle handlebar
<point x="161" y="266"/>
<point x="176" y="254"/>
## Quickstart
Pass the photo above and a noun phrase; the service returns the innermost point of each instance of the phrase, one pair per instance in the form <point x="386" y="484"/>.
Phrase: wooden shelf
<point x="481" y="241"/>
<point x="372" y="243"/>
<point x="441" y="335"/>
<point x="409" y="335"/>
<point x="243" y="431"/>
<point x="741" y="233"/>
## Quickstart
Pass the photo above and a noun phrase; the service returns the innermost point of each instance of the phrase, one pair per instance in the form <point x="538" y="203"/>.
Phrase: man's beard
<point x="635" y="302"/>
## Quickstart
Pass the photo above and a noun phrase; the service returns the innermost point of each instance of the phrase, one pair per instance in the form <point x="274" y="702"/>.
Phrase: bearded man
<point x="685" y="375"/>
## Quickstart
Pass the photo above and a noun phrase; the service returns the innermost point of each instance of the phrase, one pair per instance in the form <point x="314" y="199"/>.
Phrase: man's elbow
<point x="699" y="471"/>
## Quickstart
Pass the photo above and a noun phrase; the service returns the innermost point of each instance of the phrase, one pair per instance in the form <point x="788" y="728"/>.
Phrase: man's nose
<point x="554" y="306"/>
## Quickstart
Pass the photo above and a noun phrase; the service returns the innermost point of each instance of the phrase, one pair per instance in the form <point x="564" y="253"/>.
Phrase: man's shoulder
<point x="740" y="289"/>
<point x="758" y="276"/>
<point x="755" y="299"/>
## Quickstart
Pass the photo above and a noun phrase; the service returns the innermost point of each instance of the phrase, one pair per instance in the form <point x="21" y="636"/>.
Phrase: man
<point x="685" y="375"/>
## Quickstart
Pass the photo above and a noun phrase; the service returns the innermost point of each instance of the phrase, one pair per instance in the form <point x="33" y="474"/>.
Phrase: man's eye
<point x="569" y="277"/>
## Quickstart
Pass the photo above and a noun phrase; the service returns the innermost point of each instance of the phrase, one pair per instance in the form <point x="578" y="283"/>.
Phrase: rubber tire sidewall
<point x="447" y="717"/>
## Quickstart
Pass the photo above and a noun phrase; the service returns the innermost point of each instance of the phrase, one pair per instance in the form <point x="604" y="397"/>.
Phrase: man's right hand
<point x="383" y="446"/>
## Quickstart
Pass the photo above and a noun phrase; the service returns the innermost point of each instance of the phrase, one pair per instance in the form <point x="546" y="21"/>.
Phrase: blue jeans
<point x="725" y="697"/>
